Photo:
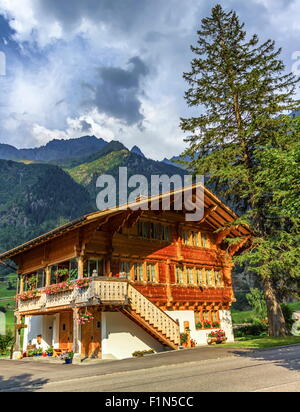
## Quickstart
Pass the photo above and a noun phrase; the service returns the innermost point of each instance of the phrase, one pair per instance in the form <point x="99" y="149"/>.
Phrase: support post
<point x="17" y="353"/>
<point x="80" y="267"/>
<point x="48" y="276"/>
<point x="21" y="284"/>
<point x="76" y="328"/>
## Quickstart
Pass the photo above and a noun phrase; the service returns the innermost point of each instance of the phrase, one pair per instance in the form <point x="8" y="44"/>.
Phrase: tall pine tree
<point x="241" y="89"/>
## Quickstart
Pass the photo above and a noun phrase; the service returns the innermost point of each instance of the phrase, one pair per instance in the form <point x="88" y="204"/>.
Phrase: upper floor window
<point x="190" y="276"/>
<point x="125" y="269"/>
<point x="94" y="268"/>
<point x="155" y="231"/>
<point x="196" y="239"/>
<point x="198" y="276"/>
<point x="35" y="280"/>
<point x="64" y="271"/>
<point x="179" y="275"/>
<point x="138" y="272"/>
<point x="151" y="273"/>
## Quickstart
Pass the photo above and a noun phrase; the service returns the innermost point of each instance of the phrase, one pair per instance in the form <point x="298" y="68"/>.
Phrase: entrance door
<point x="91" y="336"/>
<point x="48" y="330"/>
<point x="66" y="331"/>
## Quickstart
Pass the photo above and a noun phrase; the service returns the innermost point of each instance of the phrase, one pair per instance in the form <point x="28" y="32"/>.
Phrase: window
<point x="190" y="276"/>
<point x="185" y="237"/>
<point x="219" y="278"/>
<point x="125" y="268"/>
<point x="199" y="277"/>
<point x="64" y="271"/>
<point x="215" y="317"/>
<point x="41" y="279"/>
<point x="195" y="239"/>
<point x="198" y="320"/>
<point x="179" y="275"/>
<point x="151" y="273"/>
<point x="204" y="240"/>
<point x="155" y="231"/>
<point x="206" y="316"/>
<point x="94" y="268"/>
<point x="138" y="272"/>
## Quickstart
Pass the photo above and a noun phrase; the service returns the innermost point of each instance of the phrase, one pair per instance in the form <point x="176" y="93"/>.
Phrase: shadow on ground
<point x="21" y="383"/>
<point x="287" y="357"/>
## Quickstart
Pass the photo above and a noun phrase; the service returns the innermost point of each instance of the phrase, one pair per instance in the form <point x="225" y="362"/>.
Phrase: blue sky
<point x="113" y="68"/>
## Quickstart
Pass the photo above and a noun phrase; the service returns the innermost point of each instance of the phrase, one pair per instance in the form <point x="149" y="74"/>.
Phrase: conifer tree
<point x="241" y="90"/>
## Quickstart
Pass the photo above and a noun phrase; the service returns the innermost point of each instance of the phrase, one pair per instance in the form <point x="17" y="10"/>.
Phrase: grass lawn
<point x="246" y="316"/>
<point x="263" y="343"/>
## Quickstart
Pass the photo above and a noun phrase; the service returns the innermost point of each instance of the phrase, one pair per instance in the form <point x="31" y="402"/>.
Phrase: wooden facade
<point x="173" y="264"/>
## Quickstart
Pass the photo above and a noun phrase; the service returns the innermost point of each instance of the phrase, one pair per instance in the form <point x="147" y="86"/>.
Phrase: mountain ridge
<point x="54" y="150"/>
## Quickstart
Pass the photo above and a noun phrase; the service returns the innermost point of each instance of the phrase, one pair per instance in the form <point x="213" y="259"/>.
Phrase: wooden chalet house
<point x="122" y="280"/>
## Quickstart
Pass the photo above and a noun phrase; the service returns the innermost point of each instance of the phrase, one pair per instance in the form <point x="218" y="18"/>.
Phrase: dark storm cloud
<point x="85" y="126"/>
<point x="118" y="13"/>
<point x="119" y="89"/>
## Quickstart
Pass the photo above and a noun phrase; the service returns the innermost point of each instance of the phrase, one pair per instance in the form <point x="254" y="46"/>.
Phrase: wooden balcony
<point x="99" y="292"/>
<point x="119" y="294"/>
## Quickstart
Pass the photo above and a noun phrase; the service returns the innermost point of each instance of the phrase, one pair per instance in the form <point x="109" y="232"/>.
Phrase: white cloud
<point x="49" y="94"/>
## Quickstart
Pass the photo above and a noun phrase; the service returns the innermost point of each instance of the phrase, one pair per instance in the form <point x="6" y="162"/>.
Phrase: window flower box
<point x="27" y="296"/>
<point x="83" y="283"/>
<point x="59" y="288"/>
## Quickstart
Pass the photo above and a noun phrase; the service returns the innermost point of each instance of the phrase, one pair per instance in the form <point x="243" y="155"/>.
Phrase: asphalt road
<point x="197" y="370"/>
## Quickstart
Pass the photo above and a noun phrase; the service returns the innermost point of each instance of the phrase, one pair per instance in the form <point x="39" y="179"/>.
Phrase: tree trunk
<point x="277" y="325"/>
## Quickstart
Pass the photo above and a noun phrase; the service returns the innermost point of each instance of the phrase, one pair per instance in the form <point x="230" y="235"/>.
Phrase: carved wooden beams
<point x="208" y="212"/>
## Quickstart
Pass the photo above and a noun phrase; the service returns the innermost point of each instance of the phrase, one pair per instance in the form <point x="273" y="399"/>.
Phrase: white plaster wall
<point x="2" y="323"/>
<point x="226" y="324"/>
<point x="39" y="325"/>
<point x="121" y="337"/>
<point x="34" y="328"/>
<point x="200" y="336"/>
<point x="55" y="342"/>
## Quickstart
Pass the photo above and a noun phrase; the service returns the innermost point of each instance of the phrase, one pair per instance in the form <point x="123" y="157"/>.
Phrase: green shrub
<point x="288" y="316"/>
<point x="6" y="342"/>
<point x="256" y="329"/>
<point x="257" y="301"/>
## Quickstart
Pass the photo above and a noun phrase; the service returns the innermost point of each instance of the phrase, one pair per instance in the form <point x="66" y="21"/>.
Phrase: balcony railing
<point x="105" y="291"/>
<point x="112" y="292"/>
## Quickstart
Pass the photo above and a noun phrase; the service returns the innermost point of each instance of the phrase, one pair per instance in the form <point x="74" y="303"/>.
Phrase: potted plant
<point x="216" y="338"/>
<point x="67" y="357"/>
<point x="50" y="351"/>
<point x="38" y="352"/>
<point x="61" y="274"/>
<point x="199" y="326"/>
<point x="193" y="343"/>
<point x="85" y="318"/>
<point x="31" y="282"/>
<point x="216" y="325"/>
<point x="184" y="339"/>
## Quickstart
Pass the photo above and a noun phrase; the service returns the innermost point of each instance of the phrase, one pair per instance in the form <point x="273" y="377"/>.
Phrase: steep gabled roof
<point x="220" y="215"/>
